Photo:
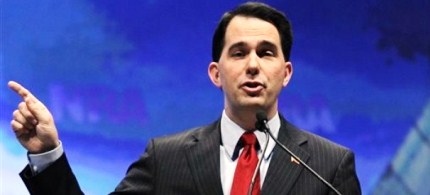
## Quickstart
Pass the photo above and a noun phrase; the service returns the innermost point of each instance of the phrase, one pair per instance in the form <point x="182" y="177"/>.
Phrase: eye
<point x="238" y="53"/>
<point x="269" y="53"/>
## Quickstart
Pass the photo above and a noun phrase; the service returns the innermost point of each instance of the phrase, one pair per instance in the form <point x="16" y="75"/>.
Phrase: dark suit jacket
<point x="189" y="163"/>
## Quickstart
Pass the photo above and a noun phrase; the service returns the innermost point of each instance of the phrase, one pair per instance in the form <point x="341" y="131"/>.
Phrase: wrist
<point x="44" y="147"/>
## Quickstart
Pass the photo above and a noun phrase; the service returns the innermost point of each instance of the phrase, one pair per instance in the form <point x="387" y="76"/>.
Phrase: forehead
<point x="250" y="30"/>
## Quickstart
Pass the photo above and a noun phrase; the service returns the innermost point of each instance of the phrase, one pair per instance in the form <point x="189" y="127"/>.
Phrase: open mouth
<point x="253" y="88"/>
<point x="252" y="85"/>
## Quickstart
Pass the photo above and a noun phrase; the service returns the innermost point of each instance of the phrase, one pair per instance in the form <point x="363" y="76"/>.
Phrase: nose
<point x="253" y="67"/>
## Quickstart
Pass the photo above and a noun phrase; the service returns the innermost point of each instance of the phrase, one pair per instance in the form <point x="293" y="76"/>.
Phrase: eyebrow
<point x="267" y="44"/>
<point x="241" y="44"/>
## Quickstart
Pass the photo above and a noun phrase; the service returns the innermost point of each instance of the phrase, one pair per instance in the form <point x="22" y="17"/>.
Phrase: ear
<point x="288" y="73"/>
<point x="213" y="72"/>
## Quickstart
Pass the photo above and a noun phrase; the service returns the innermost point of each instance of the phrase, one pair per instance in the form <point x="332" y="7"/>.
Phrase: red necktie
<point x="245" y="167"/>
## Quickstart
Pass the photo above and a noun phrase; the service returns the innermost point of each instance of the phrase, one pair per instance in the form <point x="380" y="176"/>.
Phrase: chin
<point x="254" y="103"/>
<point x="258" y="102"/>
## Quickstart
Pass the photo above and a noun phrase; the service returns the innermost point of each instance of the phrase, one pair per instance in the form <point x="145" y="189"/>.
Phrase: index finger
<point x="19" y="89"/>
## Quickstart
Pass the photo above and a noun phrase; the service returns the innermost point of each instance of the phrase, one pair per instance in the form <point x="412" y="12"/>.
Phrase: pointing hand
<point x="32" y="122"/>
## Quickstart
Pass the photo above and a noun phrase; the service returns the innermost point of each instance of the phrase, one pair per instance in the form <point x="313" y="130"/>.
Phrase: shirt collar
<point x="231" y="133"/>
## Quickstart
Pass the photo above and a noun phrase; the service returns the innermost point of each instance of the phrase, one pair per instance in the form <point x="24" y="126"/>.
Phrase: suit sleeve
<point x="140" y="175"/>
<point x="58" y="178"/>
<point x="346" y="180"/>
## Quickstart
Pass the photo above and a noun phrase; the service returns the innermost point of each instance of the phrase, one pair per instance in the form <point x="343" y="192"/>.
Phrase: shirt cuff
<point x="39" y="162"/>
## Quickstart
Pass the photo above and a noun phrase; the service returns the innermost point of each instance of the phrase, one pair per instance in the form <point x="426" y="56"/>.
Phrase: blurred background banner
<point x="117" y="73"/>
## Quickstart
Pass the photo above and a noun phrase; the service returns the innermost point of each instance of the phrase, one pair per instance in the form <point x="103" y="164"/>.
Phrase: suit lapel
<point x="204" y="159"/>
<point x="282" y="172"/>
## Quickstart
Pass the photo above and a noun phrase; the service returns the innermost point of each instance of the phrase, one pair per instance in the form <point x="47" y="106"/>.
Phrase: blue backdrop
<point x="117" y="73"/>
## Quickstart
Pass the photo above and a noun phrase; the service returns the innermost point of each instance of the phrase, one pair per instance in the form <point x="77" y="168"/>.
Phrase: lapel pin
<point x="295" y="160"/>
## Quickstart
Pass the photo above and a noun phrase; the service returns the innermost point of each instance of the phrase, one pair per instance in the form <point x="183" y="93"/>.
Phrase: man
<point x="251" y="50"/>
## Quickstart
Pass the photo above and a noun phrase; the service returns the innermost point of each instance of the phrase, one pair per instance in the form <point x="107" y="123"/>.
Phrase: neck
<point x="246" y="119"/>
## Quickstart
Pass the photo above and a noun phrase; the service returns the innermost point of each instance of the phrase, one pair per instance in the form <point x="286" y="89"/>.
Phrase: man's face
<point x="251" y="70"/>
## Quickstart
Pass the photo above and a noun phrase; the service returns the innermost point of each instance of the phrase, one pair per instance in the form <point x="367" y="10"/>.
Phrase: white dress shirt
<point x="230" y="135"/>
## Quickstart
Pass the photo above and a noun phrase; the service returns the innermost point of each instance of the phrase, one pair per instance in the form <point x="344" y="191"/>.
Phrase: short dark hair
<point x="260" y="11"/>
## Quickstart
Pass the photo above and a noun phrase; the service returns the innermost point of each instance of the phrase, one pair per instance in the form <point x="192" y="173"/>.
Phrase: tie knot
<point x="249" y="138"/>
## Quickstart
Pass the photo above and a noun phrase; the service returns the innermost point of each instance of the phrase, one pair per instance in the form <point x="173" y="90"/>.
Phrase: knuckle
<point x="15" y="126"/>
<point x="21" y="105"/>
<point x="15" y="114"/>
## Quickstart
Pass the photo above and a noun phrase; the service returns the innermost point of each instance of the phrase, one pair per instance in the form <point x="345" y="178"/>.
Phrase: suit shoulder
<point x="184" y="137"/>
<point x="310" y="140"/>
<point x="319" y="141"/>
